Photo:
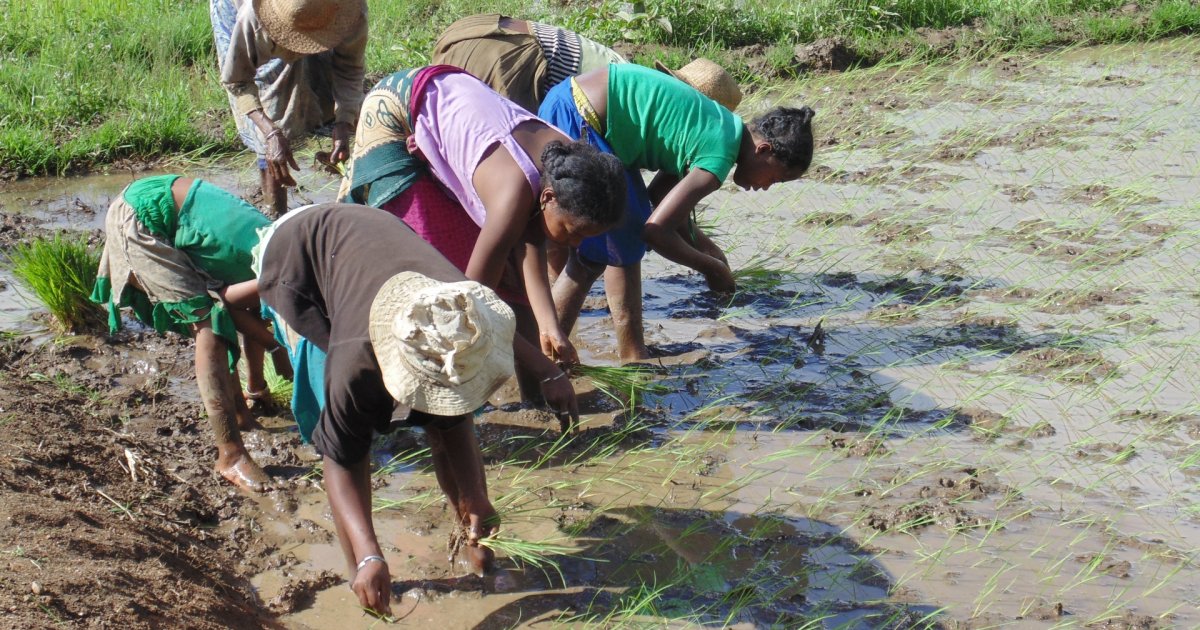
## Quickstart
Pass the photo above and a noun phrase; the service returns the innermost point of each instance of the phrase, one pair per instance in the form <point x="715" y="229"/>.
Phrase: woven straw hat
<point x="310" y="26"/>
<point x="710" y="79"/>
<point x="443" y="347"/>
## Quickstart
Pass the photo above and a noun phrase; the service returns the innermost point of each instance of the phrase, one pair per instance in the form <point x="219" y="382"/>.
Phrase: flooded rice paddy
<point x="957" y="389"/>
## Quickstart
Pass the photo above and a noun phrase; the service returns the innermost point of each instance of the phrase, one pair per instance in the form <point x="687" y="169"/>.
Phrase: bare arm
<point x="554" y="341"/>
<point x="662" y="184"/>
<point x="662" y="229"/>
<point x="349" y="491"/>
<point x="503" y="189"/>
<point x="348" y="71"/>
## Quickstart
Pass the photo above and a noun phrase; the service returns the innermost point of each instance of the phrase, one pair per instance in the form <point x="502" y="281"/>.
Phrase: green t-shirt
<point x="217" y="230"/>
<point x="660" y="123"/>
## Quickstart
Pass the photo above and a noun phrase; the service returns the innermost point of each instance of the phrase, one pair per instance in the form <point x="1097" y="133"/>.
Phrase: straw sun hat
<point x="309" y="26"/>
<point x="443" y="347"/>
<point x="710" y="79"/>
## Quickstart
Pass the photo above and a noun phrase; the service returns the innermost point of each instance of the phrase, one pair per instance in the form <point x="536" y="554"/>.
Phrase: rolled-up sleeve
<point x="349" y="72"/>
<point x="242" y="61"/>
<point x="357" y="405"/>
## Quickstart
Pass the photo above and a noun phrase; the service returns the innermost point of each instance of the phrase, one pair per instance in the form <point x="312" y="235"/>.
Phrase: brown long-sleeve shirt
<point x="250" y="47"/>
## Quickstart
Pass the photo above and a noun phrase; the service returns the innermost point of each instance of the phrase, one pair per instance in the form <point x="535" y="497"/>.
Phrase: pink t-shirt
<point x="458" y="121"/>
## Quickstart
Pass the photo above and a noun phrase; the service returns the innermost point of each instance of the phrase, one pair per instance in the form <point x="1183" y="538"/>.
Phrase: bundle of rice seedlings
<point x="281" y="388"/>
<point x="627" y="384"/>
<point x="60" y="271"/>
<point x="539" y="555"/>
<point x="762" y="274"/>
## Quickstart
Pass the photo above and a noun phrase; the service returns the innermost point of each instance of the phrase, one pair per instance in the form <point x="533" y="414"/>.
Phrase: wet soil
<point x="106" y="525"/>
<point x="958" y="394"/>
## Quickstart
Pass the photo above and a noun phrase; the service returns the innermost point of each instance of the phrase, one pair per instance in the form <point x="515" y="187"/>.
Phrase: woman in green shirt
<point x="654" y="121"/>
<point x="173" y="247"/>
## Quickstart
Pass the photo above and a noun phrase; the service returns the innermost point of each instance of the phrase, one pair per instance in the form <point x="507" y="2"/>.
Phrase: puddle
<point x="966" y="395"/>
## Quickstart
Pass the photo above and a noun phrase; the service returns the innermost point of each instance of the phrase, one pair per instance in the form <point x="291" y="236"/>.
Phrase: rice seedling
<point x="627" y="384"/>
<point x="60" y="271"/>
<point x="761" y="275"/>
<point x="279" y="387"/>
<point x="537" y="554"/>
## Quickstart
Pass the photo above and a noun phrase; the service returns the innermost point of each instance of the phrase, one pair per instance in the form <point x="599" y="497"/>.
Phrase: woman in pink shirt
<point x="503" y="183"/>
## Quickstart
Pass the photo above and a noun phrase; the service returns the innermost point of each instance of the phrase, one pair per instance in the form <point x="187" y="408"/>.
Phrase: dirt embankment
<point x="111" y="514"/>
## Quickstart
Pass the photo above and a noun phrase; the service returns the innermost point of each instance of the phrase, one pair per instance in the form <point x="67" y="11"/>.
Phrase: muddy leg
<point x="623" y="287"/>
<point x="274" y="194"/>
<point x="220" y="395"/>
<point x="528" y="382"/>
<point x="458" y="465"/>
<point x="572" y="288"/>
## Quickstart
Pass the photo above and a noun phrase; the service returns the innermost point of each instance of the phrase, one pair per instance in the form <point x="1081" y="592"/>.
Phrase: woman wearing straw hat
<point x="661" y="123"/>
<point x="519" y="59"/>
<point x="405" y="336"/>
<point x="290" y="67"/>
<point x="504" y="184"/>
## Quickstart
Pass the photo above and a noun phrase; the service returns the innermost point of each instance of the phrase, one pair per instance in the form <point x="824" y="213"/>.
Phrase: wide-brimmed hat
<point x="710" y="79"/>
<point x="443" y="347"/>
<point x="310" y="26"/>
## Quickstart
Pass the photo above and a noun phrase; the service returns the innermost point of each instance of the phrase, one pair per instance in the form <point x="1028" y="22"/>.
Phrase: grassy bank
<point x="85" y="83"/>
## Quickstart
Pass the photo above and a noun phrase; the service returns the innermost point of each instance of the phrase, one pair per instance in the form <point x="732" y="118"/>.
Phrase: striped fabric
<point x="562" y="50"/>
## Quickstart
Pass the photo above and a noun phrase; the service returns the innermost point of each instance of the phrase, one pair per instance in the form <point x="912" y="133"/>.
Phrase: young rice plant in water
<point x="60" y="271"/>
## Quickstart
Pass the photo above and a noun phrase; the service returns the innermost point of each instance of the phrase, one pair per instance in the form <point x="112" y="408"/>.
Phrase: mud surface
<point x="955" y="390"/>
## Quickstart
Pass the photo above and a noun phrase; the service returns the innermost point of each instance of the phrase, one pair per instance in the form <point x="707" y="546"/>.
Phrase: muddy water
<point x="997" y="425"/>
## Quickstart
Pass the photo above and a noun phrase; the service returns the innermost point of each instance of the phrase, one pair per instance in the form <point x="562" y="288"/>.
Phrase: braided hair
<point x="588" y="183"/>
<point x="789" y="130"/>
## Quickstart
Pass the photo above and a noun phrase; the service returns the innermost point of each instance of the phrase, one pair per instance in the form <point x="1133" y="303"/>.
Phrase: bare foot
<point x="245" y="474"/>
<point x="247" y="422"/>
<point x="633" y="355"/>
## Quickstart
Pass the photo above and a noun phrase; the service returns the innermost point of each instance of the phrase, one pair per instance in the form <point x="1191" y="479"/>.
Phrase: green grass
<point x="61" y="110"/>
<point x="60" y="271"/>
<point x="61" y="107"/>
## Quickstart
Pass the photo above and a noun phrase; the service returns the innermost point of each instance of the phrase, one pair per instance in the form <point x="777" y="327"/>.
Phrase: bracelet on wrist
<point x="362" y="563"/>
<point x="560" y="374"/>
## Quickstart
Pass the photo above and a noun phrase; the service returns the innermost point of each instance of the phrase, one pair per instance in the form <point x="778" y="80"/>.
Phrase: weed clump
<point x="60" y="271"/>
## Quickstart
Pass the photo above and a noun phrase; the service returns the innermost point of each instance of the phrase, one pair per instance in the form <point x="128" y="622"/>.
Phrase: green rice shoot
<point x="280" y="387"/>
<point x="626" y="384"/>
<point x="762" y="274"/>
<point x="60" y="271"/>
<point x="539" y="555"/>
